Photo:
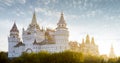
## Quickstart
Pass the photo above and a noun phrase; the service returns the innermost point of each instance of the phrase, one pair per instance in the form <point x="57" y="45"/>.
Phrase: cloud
<point x="22" y="1"/>
<point x="11" y="2"/>
<point x="18" y="12"/>
<point x="46" y="2"/>
<point x="7" y="2"/>
<point x="40" y="9"/>
<point x="2" y="8"/>
<point x="54" y="1"/>
<point x="47" y="12"/>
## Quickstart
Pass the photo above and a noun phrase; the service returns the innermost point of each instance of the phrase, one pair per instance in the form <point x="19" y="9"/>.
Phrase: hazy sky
<point x="98" y="18"/>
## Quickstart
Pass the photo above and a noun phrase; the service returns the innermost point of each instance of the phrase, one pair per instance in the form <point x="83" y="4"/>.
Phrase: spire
<point x="112" y="54"/>
<point x="34" y="21"/>
<point x="87" y="39"/>
<point x="62" y="21"/>
<point x="92" y="40"/>
<point x="14" y="28"/>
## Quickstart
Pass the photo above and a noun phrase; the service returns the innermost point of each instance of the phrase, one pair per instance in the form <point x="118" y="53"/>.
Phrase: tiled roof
<point x="14" y="28"/>
<point x="19" y="44"/>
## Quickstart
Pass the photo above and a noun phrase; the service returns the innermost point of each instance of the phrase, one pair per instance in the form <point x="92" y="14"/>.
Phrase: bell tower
<point x="62" y="34"/>
<point x="13" y="39"/>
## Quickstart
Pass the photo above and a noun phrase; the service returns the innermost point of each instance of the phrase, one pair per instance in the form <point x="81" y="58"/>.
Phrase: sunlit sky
<point x="98" y="18"/>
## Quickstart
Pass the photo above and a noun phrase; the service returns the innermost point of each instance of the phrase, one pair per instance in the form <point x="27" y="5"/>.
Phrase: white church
<point x="35" y="39"/>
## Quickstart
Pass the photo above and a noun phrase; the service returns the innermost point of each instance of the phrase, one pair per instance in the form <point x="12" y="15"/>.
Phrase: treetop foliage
<point x="61" y="57"/>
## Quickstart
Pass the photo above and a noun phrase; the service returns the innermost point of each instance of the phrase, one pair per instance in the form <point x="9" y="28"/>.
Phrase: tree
<point x="3" y="57"/>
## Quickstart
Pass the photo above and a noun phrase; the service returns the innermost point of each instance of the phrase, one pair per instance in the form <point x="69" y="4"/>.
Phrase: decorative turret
<point x="14" y="32"/>
<point x="92" y="41"/>
<point x="112" y="54"/>
<point x="87" y="39"/>
<point x="61" y="24"/>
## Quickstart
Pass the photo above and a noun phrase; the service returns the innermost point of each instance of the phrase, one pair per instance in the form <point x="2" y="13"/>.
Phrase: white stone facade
<point x="36" y="39"/>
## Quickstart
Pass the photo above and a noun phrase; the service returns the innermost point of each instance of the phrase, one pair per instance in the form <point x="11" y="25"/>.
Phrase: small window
<point x="62" y="25"/>
<point x="13" y="36"/>
<point x="28" y="33"/>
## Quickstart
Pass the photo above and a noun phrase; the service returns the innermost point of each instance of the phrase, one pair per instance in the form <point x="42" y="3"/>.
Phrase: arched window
<point x="29" y="50"/>
<point x="13" y="36"/>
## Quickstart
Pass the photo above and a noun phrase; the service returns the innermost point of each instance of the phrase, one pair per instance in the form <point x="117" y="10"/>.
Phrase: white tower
<point x="112" y="54"/>
<point x="62" y="34"/>
<point x="13" y="39"/>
